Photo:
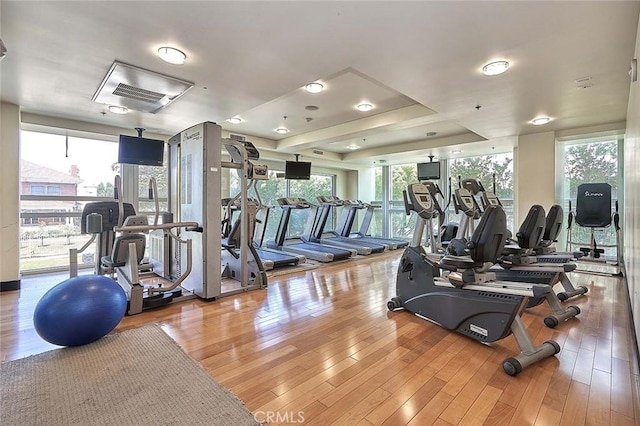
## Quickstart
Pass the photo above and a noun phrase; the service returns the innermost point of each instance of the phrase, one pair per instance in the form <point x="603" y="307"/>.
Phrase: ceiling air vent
<point x="237" y="137"/>
<point x="138" y="94"/>
<point x="139" y="89"/>
<point x="318" y="152"/>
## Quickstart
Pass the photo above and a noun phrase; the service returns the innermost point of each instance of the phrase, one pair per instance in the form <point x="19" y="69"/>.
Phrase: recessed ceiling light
<point x="172" y="55"/>
<point x="281" y="130"/>
<point x="118" y="109"/>
<point x="495" y="68"/>
<point x="234" y="120"/>
<point x="353" y="147"/>
<point x="365" y="107"/>
<point x="314" y="87"/>
<point x="540" y="121"/>
<point x="456" y="151"/>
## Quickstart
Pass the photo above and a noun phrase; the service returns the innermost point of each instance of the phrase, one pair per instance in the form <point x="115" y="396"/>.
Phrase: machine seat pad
<point x="512" y="249"/>
<point x="459" y="262"/>
<point x="569" y="267"/>
<point x="110" y="264"/>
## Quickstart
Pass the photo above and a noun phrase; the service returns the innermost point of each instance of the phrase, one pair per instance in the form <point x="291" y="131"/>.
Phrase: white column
<point x="10" y="190"/>
<point x="535" y="166"/>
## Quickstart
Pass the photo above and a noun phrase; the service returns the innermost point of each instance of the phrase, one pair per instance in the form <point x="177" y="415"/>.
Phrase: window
<point x="588" y="160"/>
<point x="402" y="226"/>
<point x="53" y="190"/>
<point x="277" y="187"/>
<point x="484" y="168"/>
<point x="376" y="197"/>
<point x="54" y="165"/>
<point x="309" y="190"/>
<point x="161" y="175"/>
<point x="37" y="189"/>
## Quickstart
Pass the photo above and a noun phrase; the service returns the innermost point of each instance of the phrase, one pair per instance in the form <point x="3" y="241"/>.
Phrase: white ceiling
<point x="418" y="62"/>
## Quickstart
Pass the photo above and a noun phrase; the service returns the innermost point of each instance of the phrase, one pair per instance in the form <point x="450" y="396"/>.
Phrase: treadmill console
<point x="258" y="172"/>
<point x="432" y="187"/>
<point x="464" y="201"/>
<point x="420" y="200"/>
<point x="490" y="198"/>
<point x="293" y="202"/>
<point x="329" y="199"/>
<point x="473" y="185"/>
<point x="236" y="155"/>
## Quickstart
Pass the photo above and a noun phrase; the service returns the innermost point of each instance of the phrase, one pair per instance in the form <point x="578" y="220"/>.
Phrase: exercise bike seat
<point x="120" y="251"/>
<point x="459" y="262"/>
<point x="487" y="242"/>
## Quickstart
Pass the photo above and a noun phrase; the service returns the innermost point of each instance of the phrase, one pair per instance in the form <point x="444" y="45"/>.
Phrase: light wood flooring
<point x="320" y="346"/>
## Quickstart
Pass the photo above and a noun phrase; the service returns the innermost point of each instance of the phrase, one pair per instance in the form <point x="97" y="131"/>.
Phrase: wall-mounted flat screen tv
<point x="297" y="170"/>
<point x="429" y="171"/>
<point x="140" y="151"/>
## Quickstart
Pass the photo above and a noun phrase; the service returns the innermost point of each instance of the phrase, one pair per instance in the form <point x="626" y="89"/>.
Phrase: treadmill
<point x="347" y="218"/>
<point x="311" y="250"/>
<point x="327" y="203"/>
<point x="270" y="258"/>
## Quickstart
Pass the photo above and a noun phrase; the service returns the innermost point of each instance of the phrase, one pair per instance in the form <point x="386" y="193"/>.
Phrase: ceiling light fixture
<point x="172" y="55"/>
<point x="353" y="147"/>
<point x="314" y="87"/>
<point x="540" y="121"/>
<point x="364" y="107"/>
<point x="281" y="130"/>
<point x="116" y="109"/>
<point x="495" y="68"/>
<point x="234" y="120"/>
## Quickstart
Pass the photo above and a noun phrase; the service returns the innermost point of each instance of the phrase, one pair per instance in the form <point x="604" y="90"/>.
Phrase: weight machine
<point x="195" y="180"/>
<point x="593" y="211"/>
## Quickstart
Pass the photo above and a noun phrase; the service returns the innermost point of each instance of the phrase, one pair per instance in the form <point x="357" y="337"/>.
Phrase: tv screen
<point x="141" y="151"/>
<point x="297" y="170"/>
<point x="429" y="171"/>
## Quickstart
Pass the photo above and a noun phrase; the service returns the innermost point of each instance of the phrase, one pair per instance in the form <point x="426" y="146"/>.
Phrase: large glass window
<point x="54" y="166"/>
<point x="161" y="175"/>
<point x="376" y="225"/>
<point x="309" y="190"/>
<point x="402" y="226"/>
<point x="277" y="187"/>
<point x="270" y="190"/>
<point x="589" y="161"/>
<point x="487" y="169"/>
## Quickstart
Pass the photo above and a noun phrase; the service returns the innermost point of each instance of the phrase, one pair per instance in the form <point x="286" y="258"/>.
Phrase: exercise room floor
<point x="322" y="343"/>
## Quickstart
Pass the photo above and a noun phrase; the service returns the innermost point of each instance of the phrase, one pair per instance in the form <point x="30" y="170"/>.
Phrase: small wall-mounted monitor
<point x="429" y="171"/>
<point x="297" y="170"/>
<point x="140" y="151"/>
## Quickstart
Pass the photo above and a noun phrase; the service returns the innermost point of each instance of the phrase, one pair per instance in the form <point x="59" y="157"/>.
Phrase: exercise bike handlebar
<point x="153" y="195"/>
<point x="163" y="226"/>
<point x="407" y="205"/>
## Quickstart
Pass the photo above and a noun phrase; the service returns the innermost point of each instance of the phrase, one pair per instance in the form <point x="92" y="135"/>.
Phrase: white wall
<point x="10" y="190"/>
<point x="535" y="168"/>
<point x="631" y="219"/>
<point x="351" y="190"/>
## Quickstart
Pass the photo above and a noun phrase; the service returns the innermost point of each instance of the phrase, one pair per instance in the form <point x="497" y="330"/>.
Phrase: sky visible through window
<point x="94" y="158"/>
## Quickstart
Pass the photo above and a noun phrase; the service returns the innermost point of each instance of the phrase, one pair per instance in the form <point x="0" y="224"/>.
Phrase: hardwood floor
<point x="320" y="346"/>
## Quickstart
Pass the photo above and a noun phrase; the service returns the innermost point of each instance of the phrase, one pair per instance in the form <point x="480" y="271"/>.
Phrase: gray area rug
<point x="137" y="377"/>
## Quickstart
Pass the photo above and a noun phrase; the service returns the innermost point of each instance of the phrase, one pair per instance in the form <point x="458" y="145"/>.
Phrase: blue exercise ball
<point x="80" y="310"/>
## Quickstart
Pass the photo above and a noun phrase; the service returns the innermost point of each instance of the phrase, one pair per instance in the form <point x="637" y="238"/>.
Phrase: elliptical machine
<point x="468" y="300"/>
